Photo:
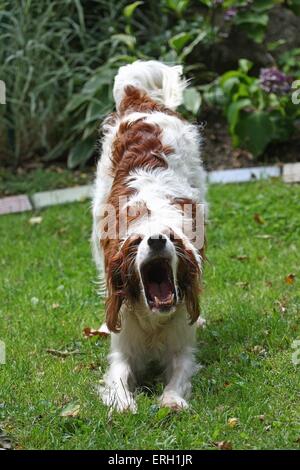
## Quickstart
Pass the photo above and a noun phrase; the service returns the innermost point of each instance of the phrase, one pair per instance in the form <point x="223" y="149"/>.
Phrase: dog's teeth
<point x="166" y="301"/>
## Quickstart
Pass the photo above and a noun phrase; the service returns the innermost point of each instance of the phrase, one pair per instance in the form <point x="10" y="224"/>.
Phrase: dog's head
<point x="160" y="270"/>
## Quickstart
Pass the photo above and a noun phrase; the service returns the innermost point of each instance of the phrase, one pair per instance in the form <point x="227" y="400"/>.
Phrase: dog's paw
<point x="171" y="399"/>
<point x="117" y="399"/>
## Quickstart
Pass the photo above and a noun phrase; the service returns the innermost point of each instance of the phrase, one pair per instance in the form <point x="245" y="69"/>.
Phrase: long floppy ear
<point x="189" y="281"/>
<point x="122" y="280"/>
<point x="116" y="292"/>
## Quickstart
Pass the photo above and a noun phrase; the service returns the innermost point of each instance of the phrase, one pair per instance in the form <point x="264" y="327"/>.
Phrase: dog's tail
<point x="163" y="83"/>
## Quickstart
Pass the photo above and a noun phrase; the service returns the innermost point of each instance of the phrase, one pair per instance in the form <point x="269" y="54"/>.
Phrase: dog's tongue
<point x="163" y="291"/>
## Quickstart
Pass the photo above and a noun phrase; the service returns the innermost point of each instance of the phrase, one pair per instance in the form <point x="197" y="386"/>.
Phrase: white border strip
<point x="81" y="193"/>
<point x="61" y="196"/>
<point x="243" y="175"/>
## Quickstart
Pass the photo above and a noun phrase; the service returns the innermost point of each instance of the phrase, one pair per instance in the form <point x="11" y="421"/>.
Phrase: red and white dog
<point x="150" y="170"/>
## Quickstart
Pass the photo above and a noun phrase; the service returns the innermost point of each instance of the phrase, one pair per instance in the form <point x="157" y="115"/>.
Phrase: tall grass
<point x="48" y="51"/>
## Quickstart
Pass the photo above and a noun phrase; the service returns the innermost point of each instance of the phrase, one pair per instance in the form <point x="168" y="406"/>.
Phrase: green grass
<point x="246" y="349"/>
<point x="40" y="179"/>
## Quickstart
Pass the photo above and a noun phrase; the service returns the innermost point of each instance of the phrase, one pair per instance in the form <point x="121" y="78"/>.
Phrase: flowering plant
<point x="259" y="110"/>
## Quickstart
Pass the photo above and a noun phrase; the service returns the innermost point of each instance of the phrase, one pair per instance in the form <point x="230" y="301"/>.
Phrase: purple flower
<point x="273" y="80"/>
<point x="230" y="14"/>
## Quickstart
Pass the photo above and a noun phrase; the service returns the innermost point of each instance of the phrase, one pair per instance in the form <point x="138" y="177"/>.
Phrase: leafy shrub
<point x="58" y="60"/>
<point x="258" y="110"/>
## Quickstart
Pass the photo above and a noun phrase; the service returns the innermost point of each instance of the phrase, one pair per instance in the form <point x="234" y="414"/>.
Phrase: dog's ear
<point x="189" y="282"/>
<point x="116" y="292"/>
<point x="191" y="295"/>
<point x="122" y="281"/>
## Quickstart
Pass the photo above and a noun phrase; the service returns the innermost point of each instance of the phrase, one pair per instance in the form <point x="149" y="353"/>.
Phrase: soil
<point x="219" y="154"/>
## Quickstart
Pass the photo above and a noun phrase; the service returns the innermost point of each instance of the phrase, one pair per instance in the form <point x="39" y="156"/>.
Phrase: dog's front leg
<point x="181" y="369"/>
<point x="115" y="393"/>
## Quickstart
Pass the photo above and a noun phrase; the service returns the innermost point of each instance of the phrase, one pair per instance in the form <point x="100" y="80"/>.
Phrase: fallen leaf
<point x="268" y="428"/>
<point x="227" y="384"/>
<point x="240" y="257"/>
<point x="261" y="418"/>
<point x="71" y="410"/>
<point x="56" y="352"/>
<point x="232" y="422"/>
<point x="223" y="445"/>
<point x="55" y="306"/>
<point x="35" y="220"/>
<point x="90" y="332"/>
<point x="91" y="366"/>
<point x="290" y="279"/>
<point x="258" y="219"/>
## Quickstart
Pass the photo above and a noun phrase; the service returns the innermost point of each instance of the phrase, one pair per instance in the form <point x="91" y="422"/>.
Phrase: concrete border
<point x="61" y="196"/>
<point x="14" y="204"/>
<point x="243" y="175"/>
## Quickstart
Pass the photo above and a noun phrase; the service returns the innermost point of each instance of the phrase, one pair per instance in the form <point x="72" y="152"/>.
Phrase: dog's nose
<point x="157" y="242"/>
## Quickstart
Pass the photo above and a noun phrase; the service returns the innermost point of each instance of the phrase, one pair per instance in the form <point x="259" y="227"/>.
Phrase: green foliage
<point x="255" y="117"/>
<point x="294" y="5"/>
<point x="254" y="19"/>
<point x="51" y="55"/>
<point x="192" y="99"/>
<point x="58" y="60"/>
<point x="290" y="62"/>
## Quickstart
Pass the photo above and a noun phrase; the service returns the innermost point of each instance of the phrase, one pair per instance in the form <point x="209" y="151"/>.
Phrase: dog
<point x="149" y="171"/>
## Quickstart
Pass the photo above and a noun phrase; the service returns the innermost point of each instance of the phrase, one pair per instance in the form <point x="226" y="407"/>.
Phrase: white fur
<point x="145" y="337"/>
<point x="161" y="82"/>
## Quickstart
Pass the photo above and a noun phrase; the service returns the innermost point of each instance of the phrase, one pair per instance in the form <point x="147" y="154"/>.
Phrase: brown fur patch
<point x="123" y="282"/>
<point x="189" y="278"/>
<point x="136" y="100"/>
<point x="182" y="202"/>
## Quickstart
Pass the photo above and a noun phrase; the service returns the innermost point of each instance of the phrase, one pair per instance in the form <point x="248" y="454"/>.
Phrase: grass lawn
<point x="48" y="295"/>
<point x="41" y="179"/>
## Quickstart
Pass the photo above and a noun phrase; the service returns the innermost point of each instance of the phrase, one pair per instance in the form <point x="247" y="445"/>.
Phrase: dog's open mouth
<point x="159" y="285"/>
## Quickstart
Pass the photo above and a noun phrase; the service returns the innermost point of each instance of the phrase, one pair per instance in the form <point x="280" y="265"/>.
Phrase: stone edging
<point x="22" y="203"/>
